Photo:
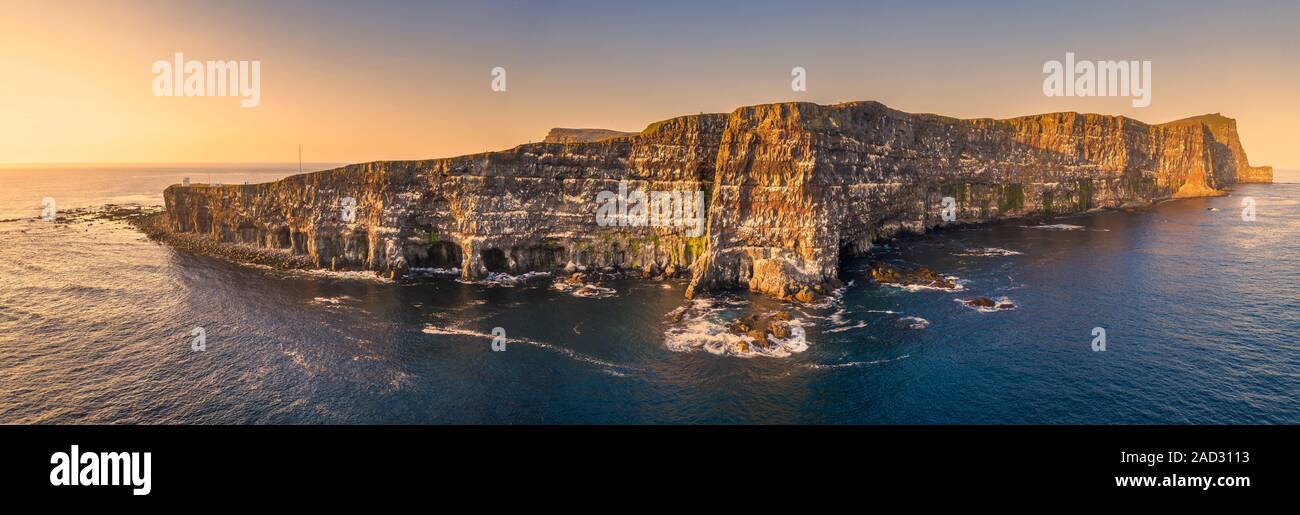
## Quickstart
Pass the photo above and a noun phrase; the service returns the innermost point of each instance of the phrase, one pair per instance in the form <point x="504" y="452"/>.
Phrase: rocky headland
<point x="790" y="189"/>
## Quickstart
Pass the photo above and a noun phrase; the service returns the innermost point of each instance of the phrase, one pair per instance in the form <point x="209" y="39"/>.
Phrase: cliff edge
<point x="788" y="189"/>
<point x="562" y="135"/>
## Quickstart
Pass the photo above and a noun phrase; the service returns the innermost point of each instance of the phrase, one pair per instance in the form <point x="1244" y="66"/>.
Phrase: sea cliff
<point x="790" y="188"/>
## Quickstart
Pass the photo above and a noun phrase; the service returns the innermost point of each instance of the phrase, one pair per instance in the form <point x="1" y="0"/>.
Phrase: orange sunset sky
<point x="357" y="82"/>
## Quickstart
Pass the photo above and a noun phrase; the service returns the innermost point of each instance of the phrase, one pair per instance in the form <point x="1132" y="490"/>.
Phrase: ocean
<point x="1200" y="312"/>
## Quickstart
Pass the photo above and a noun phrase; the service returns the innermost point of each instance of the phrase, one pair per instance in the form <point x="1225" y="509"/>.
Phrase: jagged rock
<point x="985" y="302"/>
<point x="980" y="302"/>
<point x="759" y="336"/>
<point x="921" y="276"/>
<point x="649" y="271"/>
<point x="670" y="271"/>
<point x="737" y="327"/>
<point x="779" y="329"/>
<point x="805" y="295"/>
<point x="790" y="187"/>
<point x="576" y="278"/>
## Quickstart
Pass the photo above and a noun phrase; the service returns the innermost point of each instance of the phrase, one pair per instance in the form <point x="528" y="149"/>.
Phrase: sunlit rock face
<point x="789" y="188"/>
<point x="530" y="208"/>
<point x="561" y="135"/>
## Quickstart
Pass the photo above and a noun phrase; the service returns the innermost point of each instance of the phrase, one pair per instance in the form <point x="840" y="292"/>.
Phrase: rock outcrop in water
<point x="790" y="188"/>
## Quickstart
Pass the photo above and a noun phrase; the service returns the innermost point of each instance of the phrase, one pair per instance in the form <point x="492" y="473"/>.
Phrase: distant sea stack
<point x="790" y="189"/>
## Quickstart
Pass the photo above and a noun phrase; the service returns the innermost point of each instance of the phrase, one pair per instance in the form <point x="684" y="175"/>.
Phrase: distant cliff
<point x="789" y="188"/>
<point x="560" y="135"/>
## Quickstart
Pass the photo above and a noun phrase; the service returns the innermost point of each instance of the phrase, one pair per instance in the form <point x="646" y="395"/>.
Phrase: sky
<point x="365" y="81"/>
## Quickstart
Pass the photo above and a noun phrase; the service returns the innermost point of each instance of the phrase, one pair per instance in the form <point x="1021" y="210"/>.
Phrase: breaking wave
<point x="959" y="285"/>
<point x="999" y="304"/>
<point x="914" y="322"/>
<point x="987" y="251"/>
<point x="841" y="329"/>
<point x="332" y="302"/>
<point x="507" y="280"/>
<point x="701" y="326"/>
<point x="854" y="364"/>
<point x="589" y="291"/>
<point x="1063" y="227"/>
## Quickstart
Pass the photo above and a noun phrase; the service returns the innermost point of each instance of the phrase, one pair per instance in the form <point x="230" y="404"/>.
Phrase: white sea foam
<point x="832" y="299"/>
<point x="354" y="275"/>
<point x="999" y="304"/>
<point x="854" y="364"/>
<point x="614" y="368"/>
<point x="841" y="329"/>
<point x="335" y="301"/>
<point x="987" y="251"/>
<point x="589" y="291"/>
<point x="958" y="285"/>
<point x="701" y="327"/>
<point x="1063" y="227"/>
<point x="914" y="322"/>
<point x="507" y="280"/>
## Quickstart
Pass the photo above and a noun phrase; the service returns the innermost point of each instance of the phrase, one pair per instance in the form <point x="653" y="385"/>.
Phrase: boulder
<point x="737" y="327"/>
<point x="980" y="302"/>
<point x="805" y="295"/>
<point x="884" y="273"/>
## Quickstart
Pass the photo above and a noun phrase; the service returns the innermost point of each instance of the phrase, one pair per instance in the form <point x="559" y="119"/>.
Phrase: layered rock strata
<point x="790" y="189"/>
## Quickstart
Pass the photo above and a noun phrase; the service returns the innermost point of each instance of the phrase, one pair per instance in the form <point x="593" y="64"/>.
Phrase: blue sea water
<point x="1200" y="310"/>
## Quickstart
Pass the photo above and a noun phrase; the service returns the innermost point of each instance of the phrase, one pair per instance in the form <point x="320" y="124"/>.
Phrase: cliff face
<point x="789" y="187"/>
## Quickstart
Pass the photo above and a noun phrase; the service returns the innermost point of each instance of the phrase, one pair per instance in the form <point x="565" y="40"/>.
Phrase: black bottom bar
<point x="326" y="463"/>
